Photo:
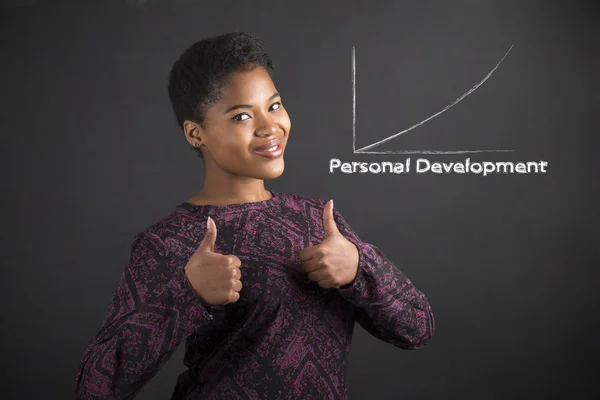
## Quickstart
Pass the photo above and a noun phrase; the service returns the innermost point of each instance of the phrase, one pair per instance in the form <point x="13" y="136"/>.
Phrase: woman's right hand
<point x="215" y="277"/>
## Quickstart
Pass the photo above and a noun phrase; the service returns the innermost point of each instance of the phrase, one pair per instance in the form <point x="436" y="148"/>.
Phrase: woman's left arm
<point x="388" y="305"/>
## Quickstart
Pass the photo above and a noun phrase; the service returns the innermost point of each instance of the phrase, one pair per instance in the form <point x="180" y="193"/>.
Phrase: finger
<point x="312" y="265"/>
<point x="237" y="286"/>
<point x="233" y="297"/>
<point x="307" y="253"/>
<point x="236" y="274"/>
<point x="233" y="261"/>
<point x="210" y="237"/>
<point x="318" y="275"/>
<point x="328" y="221"/>
<point x="328" y="284"/>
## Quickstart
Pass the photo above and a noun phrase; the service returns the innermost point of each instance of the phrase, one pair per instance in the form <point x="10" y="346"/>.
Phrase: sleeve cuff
<point x="181" y="287"/>
<point x="357" y="285"/>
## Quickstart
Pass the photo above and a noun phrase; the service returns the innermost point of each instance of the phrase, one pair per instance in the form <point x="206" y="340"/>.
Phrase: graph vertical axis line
<point x="353" y="100"/>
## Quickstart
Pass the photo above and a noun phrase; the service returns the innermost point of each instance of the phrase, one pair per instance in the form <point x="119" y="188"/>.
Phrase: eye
<point x="239" y="117"/>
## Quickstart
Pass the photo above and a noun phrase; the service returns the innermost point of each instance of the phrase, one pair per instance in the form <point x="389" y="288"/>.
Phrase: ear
<point x="194" y="133"/>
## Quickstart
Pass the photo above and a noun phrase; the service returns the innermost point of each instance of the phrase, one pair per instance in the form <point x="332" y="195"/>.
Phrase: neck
<point x="226" y="189"/>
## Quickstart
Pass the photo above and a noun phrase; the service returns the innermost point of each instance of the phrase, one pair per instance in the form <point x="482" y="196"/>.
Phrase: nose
<point x="267" y="128"/>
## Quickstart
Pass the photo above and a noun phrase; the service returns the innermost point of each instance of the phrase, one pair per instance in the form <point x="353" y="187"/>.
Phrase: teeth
<point x="272" y="148"/>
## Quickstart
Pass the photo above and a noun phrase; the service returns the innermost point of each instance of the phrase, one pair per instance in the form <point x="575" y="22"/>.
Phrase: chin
<point x="273" y="176"/>
<point x="270" y="171"/>
<point x="274" y="173"/>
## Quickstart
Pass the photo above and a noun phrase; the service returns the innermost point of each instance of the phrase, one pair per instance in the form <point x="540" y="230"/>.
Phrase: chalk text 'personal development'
<point x="423" y="166"/>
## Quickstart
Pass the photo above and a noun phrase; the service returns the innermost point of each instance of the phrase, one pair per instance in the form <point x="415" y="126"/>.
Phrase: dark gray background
<point x="92" y="155"/>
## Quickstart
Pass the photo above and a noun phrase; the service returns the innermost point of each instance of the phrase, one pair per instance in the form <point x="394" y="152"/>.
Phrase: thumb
<point x="328" y="221"/>
<point x="210" y="237"/>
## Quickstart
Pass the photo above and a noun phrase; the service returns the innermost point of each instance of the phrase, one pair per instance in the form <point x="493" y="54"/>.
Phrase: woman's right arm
<point x="153" y="310"/>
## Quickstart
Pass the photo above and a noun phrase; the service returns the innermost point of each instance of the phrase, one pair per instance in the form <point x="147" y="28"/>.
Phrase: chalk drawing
<point x="365" y="150"/>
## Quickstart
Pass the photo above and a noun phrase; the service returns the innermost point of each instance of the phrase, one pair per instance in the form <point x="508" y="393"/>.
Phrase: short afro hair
<point x="200" y="73"/>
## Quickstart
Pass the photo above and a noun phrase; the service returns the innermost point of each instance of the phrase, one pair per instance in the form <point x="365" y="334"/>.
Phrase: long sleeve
<point x="153" y="310"/>
<point x="389" y="306"/>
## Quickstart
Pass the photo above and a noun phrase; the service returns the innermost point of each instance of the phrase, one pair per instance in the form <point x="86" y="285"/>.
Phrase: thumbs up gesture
<point x="333" y="262"/>
<point x="215" y="277"/>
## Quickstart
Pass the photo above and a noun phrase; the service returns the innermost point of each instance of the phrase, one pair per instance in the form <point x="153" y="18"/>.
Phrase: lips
<point x="271" y="149"/>
<point x="268" y="145"/>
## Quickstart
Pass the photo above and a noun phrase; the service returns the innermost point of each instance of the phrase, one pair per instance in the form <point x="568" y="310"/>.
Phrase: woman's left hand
<point x="333" y="262"/>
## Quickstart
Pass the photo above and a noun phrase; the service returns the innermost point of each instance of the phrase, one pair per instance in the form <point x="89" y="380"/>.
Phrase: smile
<point x="271" y="152"/>
<point x="272" y="149"/>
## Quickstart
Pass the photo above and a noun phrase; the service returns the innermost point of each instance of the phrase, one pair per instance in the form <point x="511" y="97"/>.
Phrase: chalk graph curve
<point x="364" y="150"/>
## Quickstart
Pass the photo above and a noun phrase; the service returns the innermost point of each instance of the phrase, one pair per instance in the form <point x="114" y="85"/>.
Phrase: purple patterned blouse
<point x="285" y="338"/>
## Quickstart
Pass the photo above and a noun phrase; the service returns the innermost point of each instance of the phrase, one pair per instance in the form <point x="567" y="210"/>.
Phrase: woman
<point x="263" y="287"/>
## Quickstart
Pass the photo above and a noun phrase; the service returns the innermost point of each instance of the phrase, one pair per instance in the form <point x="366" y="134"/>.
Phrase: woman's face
<point x="246" y="131"/>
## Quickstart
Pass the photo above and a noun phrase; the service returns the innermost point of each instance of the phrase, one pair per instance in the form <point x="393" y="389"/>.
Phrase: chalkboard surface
<point x="508" y="259"/>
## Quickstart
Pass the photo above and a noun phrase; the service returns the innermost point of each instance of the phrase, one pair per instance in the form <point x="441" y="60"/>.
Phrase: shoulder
<point x="302" y="202"/>
<point x="178" y="226"/>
